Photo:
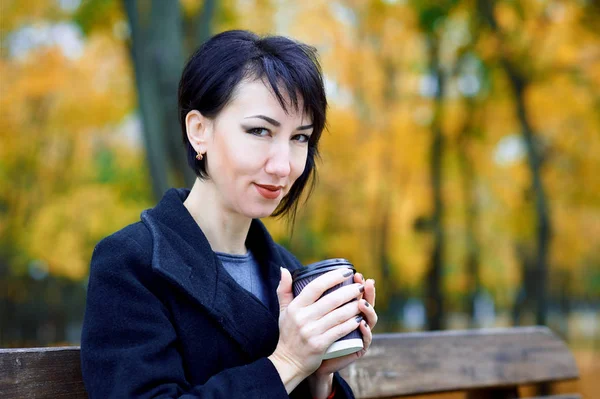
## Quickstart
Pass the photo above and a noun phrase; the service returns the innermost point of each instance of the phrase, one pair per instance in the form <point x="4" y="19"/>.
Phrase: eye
<point x="302" y="138"/>
<point x="259" y="131"/>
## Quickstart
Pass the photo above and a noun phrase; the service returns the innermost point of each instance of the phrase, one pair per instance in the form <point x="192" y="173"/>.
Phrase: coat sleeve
<point x="129" y="347"/>
<point x="342" y="389"/>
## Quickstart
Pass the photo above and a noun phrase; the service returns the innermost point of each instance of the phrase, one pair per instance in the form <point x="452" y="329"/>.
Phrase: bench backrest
<point x="491" y="363"/>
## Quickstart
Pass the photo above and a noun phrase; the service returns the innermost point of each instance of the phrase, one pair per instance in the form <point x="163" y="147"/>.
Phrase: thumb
<point x="284" y="289"/>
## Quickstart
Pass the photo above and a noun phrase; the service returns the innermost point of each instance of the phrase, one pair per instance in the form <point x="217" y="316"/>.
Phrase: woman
<point x="195" y="299"/>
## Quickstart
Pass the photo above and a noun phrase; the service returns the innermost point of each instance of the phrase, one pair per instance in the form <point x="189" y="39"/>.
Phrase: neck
<point x="226" y="231"/>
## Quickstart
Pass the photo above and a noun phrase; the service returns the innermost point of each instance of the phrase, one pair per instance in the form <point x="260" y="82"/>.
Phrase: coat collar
<point x="182" y="254"/>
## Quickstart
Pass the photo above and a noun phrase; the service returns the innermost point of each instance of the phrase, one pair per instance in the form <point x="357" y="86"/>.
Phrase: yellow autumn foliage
<point x="60" y="120"/>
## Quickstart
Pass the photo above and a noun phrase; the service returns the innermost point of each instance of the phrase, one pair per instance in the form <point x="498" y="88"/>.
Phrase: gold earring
<point x="199" y="157"/>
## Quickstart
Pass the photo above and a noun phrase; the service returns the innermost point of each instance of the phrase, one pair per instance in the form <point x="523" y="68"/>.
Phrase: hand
<point x="367" y="308"/>
<point x="309" y="324"/>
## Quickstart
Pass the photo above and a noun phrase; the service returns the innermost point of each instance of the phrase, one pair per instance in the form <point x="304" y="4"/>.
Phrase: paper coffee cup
<point x="301" y="277"/>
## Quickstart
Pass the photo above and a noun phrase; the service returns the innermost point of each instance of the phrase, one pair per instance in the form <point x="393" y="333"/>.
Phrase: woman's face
<point x="256" y="151"/>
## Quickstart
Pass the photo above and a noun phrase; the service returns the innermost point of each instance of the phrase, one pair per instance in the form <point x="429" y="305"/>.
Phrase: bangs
<point x="289" y="79"/>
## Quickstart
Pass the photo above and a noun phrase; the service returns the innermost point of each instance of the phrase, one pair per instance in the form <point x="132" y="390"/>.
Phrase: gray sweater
<point x="246" y="272"/>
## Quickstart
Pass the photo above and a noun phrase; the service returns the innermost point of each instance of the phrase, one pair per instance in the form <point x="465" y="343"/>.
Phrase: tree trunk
<point x="382" y="215"/>
<point x="157" y="54"/>
<point x="467" y="172"/>
<point x="434" y="299"/>
<point x="167" y="58"/>
<point x="524" y="299"/>
<point x="541" y="204"/>
<point x="204" y="28"/>
<point x="148" y="101"/>
<point x="519" y="83"/>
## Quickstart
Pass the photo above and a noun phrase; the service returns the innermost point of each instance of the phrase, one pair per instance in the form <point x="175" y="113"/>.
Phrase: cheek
<point x="234" y="158"/>
<point x="298" y="164"/>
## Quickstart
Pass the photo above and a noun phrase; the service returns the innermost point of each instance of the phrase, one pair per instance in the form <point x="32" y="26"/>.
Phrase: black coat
<point x="165" y="320"/>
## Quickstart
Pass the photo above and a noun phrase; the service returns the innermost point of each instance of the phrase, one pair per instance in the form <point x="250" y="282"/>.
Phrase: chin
<point x="259" y="211"/>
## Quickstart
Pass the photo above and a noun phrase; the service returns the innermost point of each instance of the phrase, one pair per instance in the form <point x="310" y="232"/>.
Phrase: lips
<point x="268" y="191"/>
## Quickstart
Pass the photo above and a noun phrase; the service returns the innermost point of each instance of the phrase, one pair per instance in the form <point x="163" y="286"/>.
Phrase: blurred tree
<point x="467" y="166"/>
<point x="157" y="54"/>
<point x="204" y="24"/>
<point x="432" y="15"/>
<point x="68" y="177"/>
<point x="520" y="80"/>
<point x="469" y="71"/>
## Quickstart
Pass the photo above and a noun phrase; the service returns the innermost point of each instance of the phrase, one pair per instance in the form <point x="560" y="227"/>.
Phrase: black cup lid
<point x="321" y="267"/>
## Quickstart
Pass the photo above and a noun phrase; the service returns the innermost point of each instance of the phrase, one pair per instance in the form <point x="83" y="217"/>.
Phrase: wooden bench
<point x="484" y="363"/>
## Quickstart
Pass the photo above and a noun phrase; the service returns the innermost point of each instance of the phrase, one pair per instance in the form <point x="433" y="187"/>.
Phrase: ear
<point x="198" y="129"/>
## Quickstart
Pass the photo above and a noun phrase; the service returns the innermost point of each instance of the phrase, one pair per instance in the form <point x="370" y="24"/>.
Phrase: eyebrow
<point x="277" y="124"/>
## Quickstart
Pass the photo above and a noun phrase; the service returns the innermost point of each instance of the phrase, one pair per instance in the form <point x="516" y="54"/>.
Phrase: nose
<point x="279" y="162"/>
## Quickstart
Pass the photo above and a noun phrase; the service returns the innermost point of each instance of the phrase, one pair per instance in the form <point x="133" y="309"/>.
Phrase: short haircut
<point x="215" y="70"/>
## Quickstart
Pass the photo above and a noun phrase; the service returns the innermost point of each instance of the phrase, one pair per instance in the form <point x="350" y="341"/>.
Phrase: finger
<point x="315" y="289"/>
<point x="370" y="291"/>
<point x="336" y="299"/>
<point x="368" y="312"/>
<point x="337" y="316"/>
<point x="284" y="289"/>
<point x="359" y="278"/>
<point x="337" y="332"/>
<point x="367" y="335"/>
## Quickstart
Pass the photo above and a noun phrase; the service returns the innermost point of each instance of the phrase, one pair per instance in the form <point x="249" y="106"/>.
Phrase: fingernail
<point x="362" y="278"/>
<point x="367" y="304"/>
<point x="358" y="319"/>
<point x="348" y="273"/>
<point x="366" y="325"/>
<point x="361" y="288"/>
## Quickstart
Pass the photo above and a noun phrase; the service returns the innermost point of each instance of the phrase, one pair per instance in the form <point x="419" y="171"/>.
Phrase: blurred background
<point x="460" y="169"/>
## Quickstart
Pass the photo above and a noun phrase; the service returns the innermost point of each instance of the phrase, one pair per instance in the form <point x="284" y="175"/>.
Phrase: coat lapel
<point x="182" y="254"/>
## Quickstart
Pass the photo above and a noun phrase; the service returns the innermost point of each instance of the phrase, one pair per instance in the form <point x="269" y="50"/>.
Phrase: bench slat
<point x="396" y="364"/>
<point x="495" y="393"/>
<point x="564" y="396"/>
<point x="417" y="363"/>
<point x="41" y="373"/>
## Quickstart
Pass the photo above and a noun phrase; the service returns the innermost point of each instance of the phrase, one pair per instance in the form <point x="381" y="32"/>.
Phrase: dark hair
<point x="214" y="71"/>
